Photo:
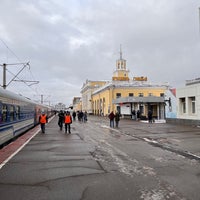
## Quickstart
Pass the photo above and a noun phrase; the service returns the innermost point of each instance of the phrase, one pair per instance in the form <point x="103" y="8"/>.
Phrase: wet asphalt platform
<point x="58" y="166"/>
<point x="42" y="169"/>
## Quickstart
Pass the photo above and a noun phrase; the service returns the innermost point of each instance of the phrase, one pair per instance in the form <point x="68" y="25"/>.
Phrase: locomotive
<point x="18" y="114"/>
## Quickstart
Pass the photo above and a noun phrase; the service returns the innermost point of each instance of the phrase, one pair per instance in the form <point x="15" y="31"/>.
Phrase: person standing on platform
<point x="43" y="120"/>
<point x="74" y="115"/>
<point x="117" y="119"/>
<point x="111" y="116"/>
<point x="81" y="116"/>
<point x="85" y="116"/>
<point x="68" y="121"/>
<point x="61" y="119"/>
<point x="133" y="115"/>
<point x="150" y="116"/>
<point x="138" y="115"/>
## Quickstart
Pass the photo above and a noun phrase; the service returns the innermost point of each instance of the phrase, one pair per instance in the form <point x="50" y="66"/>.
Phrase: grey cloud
<point x="70" y="41"/>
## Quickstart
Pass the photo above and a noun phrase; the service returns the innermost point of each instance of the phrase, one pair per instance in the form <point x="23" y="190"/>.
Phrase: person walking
<point x="133" y="115"/>
<point x="117" y="119"/>
<point x="150" y="116"/>
<point x="68" y="121"/>
<point x="61" y="119"/>
<point x="138" y="115"/>
<point x="74" y="115"/>
<point x="85" y="116"/>
<point x="43" y="120"/>
<point x="111" y="116"/>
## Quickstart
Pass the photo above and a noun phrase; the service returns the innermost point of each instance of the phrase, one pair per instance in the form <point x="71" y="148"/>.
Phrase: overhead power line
<point x="4" y="65"/>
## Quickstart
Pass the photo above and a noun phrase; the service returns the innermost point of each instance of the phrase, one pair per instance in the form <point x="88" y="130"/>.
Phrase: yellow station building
<point x="124" y="94"/>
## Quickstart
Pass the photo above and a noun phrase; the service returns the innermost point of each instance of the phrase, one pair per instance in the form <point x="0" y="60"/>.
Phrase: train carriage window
<point x="17" y="112"/>
<point x="11" y="113"/>
<point x="4" y="113"/>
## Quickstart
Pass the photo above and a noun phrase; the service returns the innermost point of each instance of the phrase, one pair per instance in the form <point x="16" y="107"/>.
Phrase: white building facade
<point x="188" y="102"/>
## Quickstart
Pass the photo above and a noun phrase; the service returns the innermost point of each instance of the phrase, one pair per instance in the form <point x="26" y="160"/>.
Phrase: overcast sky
<point x="69" y="41"/>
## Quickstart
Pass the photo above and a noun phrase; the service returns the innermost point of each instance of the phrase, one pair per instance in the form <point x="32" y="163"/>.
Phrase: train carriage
<point x="17" y="114"/>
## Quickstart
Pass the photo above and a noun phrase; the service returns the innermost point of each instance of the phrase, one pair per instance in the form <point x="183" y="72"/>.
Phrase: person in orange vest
<point x="68" y="121"/>
<point x="43" y="120"/>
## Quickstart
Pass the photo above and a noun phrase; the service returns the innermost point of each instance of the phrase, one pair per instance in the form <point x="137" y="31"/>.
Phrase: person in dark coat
<point x="150" y="116"/>
<point x="74" y="115"/>
<point x="80" y="116"/>
<point x="117" y="119"/>
<point x="85" y="116"/>
<point x="138" y="115"/>
<point x="61" y="119"/>
<point x="133" y="115"/>
<point x="111" y="116"/>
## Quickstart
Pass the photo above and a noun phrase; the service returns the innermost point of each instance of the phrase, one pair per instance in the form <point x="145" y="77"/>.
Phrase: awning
<point x="149" y="99"/>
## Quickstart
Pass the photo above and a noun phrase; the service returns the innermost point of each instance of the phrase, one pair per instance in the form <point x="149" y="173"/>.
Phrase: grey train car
<point x="18" y="114"/>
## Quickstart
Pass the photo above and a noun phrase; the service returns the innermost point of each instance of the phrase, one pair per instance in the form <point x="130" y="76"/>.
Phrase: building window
<point x="191" y="101"/>
<point x="131" y="95"/>
<point x="162" y="94"/>
<point x="150" y="94"/>
<point x="140" y="94"/>
<point x="182" y="105"/>
<point x="118" y="95"/>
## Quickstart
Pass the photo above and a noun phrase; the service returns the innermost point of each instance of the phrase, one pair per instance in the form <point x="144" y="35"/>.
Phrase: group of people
<point x="82" y="116"/>
<point x="65" y="118"/>
<point x="137" y="115"/>
<point x="114" y="117"/>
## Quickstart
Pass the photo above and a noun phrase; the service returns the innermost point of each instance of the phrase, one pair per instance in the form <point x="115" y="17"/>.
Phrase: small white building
<point x="188" y="102"/>
<point x="170" y="104"/>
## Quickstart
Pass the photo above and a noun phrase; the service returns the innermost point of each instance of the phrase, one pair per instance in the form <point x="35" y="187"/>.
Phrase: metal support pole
<point x="199" y="20"/>
<point x="4" y="76"/>
<point x="41" y="99"/>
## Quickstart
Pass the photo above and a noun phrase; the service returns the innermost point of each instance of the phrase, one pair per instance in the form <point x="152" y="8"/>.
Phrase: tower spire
<point x="121" y="73"/>
<point x="120" y="52"/>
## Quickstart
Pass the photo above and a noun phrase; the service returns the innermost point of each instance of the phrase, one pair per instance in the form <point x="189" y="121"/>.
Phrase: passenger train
<point x="18" y="114"/>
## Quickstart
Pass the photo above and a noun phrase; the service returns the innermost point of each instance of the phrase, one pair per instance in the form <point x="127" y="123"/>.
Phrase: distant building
<point x="76" y="104"/>
<point x="124" y="94"/>
<point x="188" y="102"/>
<point x="60" y="106"/>
<point x="87" y="90"/>
<point x="125" y="97"/>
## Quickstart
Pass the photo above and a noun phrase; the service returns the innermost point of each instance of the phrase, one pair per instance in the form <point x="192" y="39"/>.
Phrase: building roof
<point x="129" y="84"/>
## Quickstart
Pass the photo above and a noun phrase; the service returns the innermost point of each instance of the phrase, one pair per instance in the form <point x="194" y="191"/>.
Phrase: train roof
<point x="11" y="95"/>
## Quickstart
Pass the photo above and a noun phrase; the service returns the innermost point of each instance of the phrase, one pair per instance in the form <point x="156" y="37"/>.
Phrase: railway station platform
<point x="45" y="168"/>
<point x="60" y="166"/>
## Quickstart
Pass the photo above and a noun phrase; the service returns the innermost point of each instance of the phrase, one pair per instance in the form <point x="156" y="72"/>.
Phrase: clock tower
<point x="121" y="73"/>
